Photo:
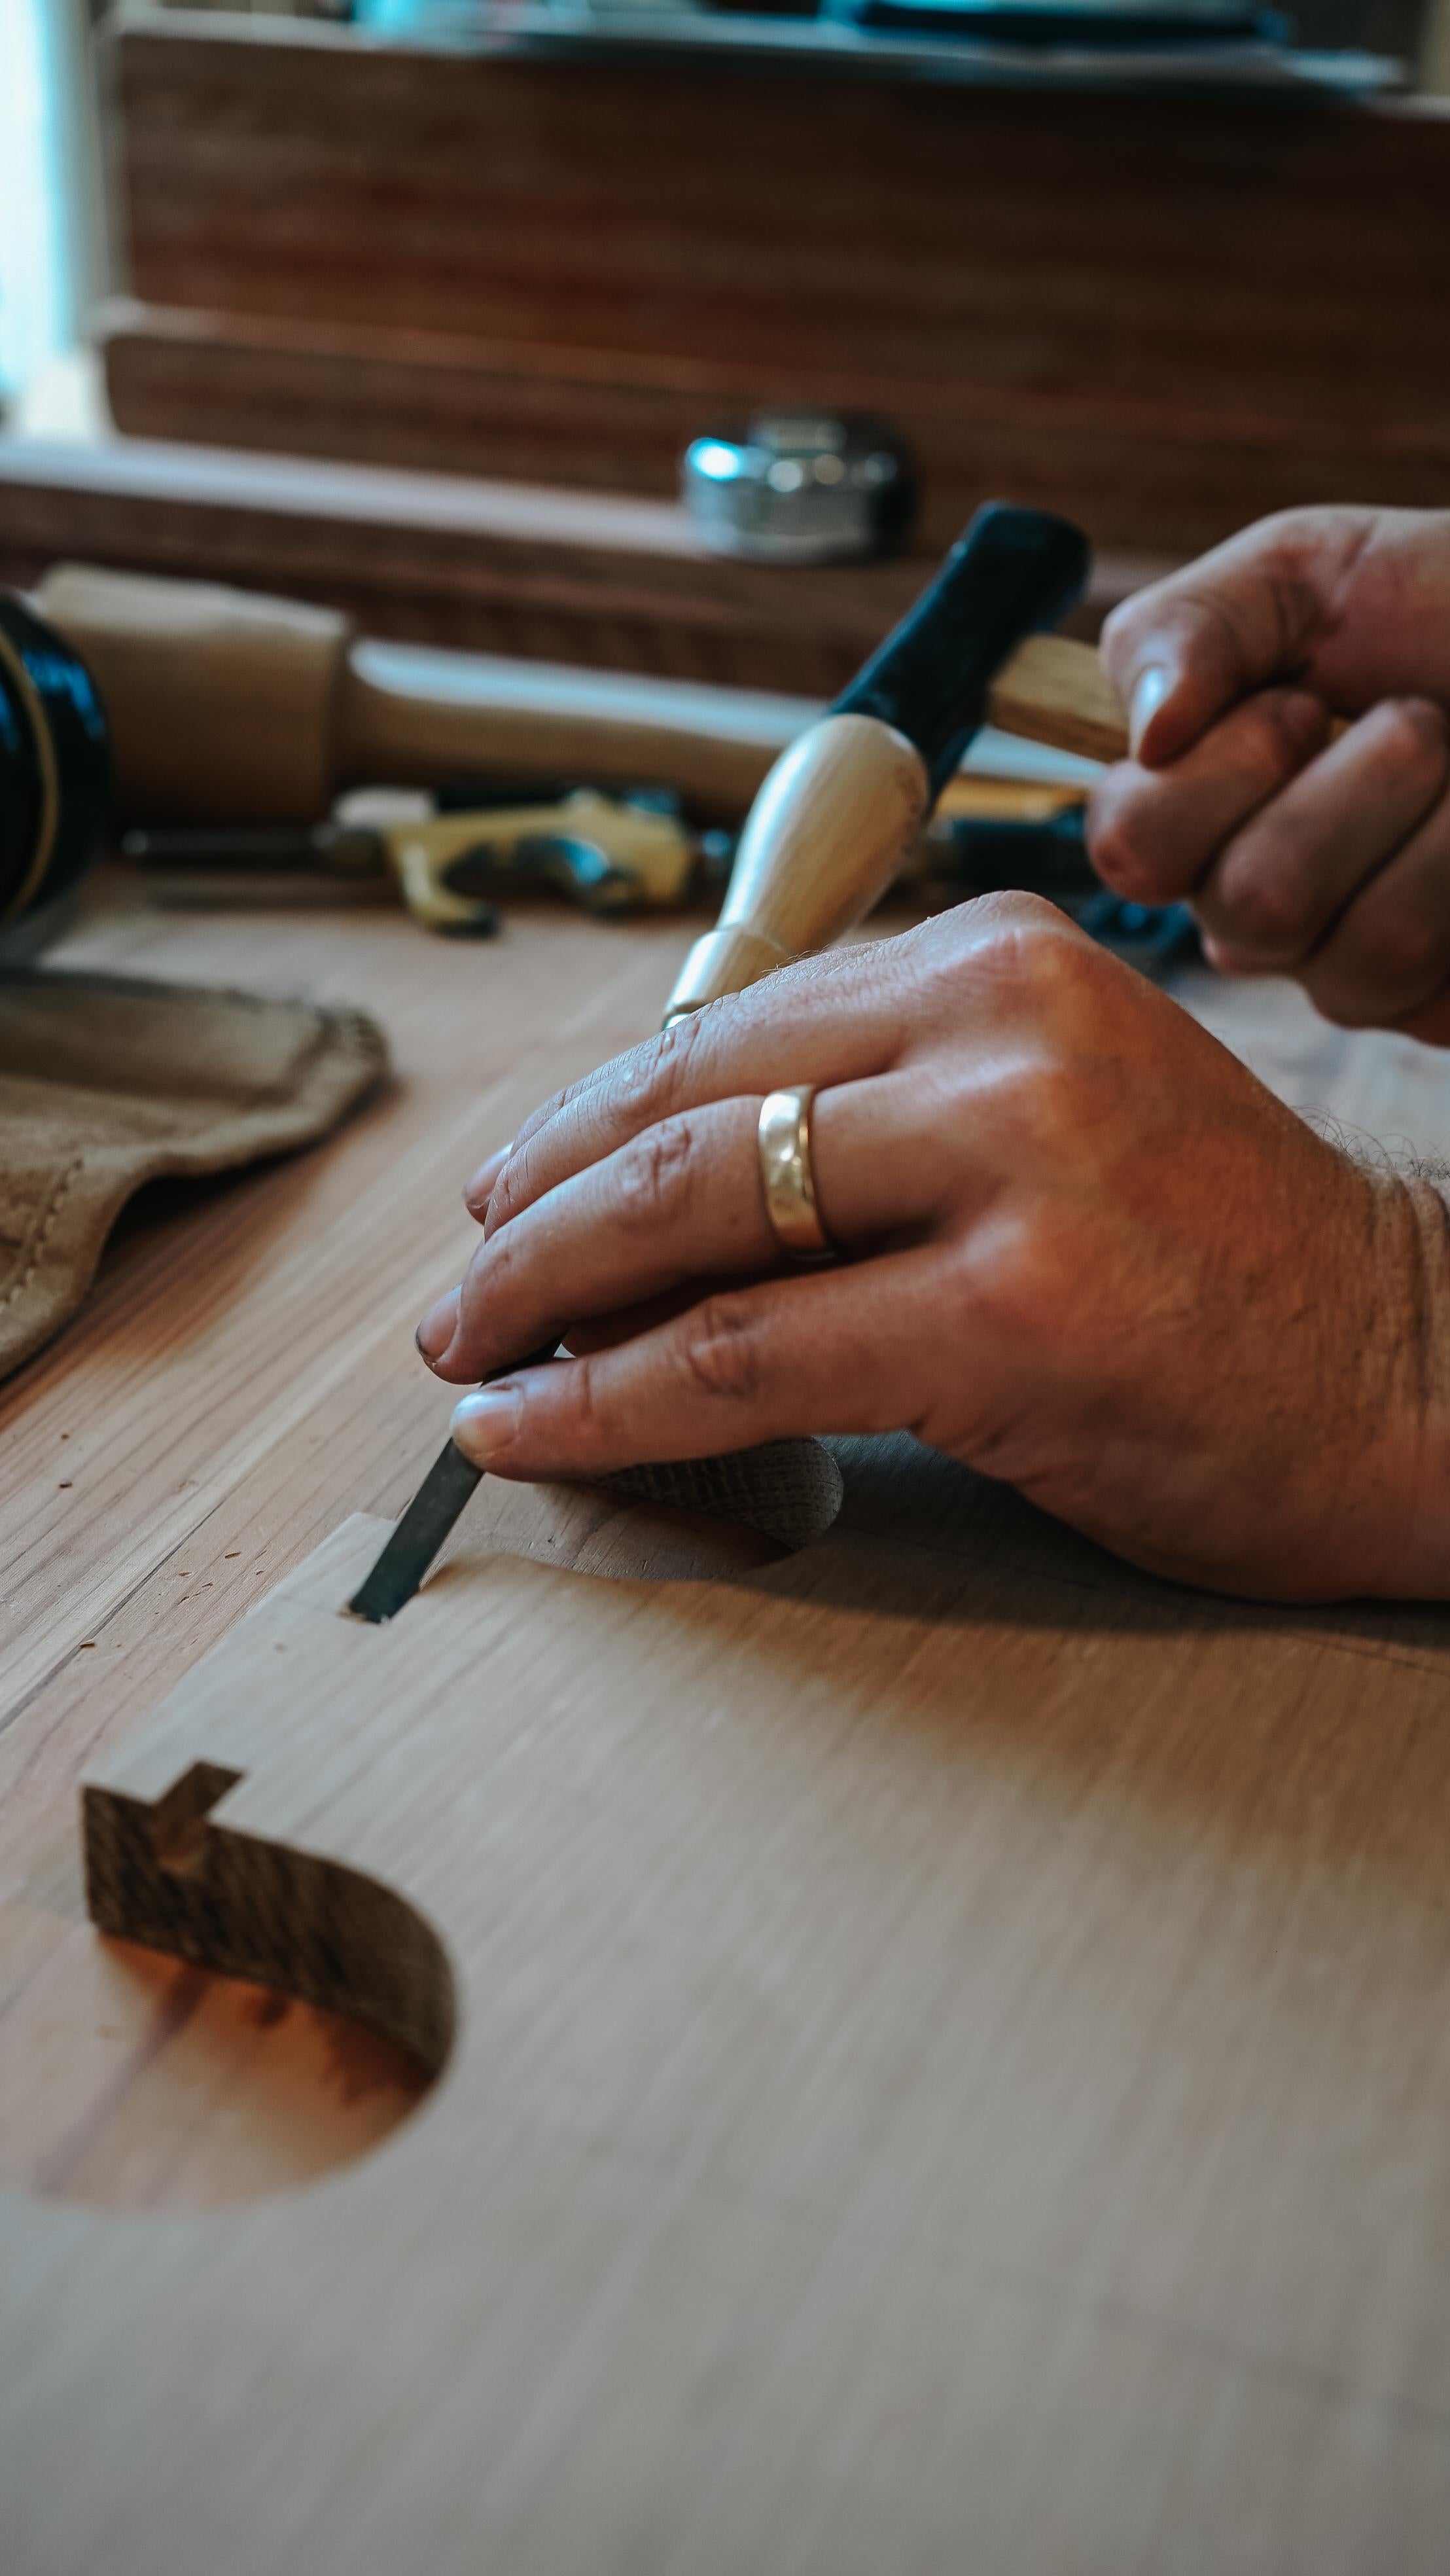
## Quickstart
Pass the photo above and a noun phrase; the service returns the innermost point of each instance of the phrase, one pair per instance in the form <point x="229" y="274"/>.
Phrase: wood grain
<point x="1161" y="316"/>
<point x="952" y="2064"/>
<point x="864" y="2019"/>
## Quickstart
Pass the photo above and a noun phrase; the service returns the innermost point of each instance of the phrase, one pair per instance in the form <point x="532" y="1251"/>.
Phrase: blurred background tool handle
<point x="609" y="855"/>
<point x="200" y="682"/>
<point x="842" y="807"/>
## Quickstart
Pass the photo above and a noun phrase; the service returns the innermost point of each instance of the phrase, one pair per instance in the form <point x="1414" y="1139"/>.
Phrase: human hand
<point x="1082" y="1249"/>
<point x="1324" y="859"/>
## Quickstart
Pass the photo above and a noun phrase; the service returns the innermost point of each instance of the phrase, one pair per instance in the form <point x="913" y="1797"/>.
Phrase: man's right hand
<point x="1302" y="854"/>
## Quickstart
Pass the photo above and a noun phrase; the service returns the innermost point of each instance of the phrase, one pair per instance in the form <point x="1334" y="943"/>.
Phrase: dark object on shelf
<point x="1091" y="24"/>
<point x="54" y="770"/>
<point x="796" y="488"/>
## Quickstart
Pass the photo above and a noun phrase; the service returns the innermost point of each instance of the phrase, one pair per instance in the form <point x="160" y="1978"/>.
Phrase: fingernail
<point x="1149" y="691"/>
<point x="485" y="1422"/>
<point x="481" y="1185"/>
<point x="438" y="1326"/>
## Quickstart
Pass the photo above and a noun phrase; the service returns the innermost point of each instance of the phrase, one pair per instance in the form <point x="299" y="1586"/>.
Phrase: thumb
<point x="1240" y="619"/>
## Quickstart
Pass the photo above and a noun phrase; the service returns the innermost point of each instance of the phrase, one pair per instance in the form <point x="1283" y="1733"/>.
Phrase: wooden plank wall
<point x="1161" y="315"/>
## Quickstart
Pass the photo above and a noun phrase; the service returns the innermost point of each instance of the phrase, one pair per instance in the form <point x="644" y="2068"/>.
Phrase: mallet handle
<point x="227" y="707"/>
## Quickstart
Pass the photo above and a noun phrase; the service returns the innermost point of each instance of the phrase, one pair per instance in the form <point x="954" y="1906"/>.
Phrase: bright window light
<point x="37" y="304"/>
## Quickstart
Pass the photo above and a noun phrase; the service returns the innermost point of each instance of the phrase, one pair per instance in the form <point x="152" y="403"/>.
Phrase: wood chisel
<point x="827" y="832"/>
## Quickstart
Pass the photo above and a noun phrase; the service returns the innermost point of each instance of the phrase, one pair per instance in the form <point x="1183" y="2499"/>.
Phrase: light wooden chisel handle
<point x="835" y="819"/>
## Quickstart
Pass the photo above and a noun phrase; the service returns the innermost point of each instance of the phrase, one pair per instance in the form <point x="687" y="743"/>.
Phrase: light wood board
<point x="951" y="2067"/>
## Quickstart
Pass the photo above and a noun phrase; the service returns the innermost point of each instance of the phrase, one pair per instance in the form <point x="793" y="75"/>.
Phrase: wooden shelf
<point x="547" y="575"/>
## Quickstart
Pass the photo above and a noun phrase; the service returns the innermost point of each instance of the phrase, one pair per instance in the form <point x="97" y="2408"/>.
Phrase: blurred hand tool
<point x="965" y="854"/>
<point x="609" y="855"/>
<point x="229" y="708"/>
<point x="826" y="835"/>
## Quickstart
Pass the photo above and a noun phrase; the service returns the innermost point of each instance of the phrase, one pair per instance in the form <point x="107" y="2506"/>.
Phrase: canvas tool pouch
<point x="107" y="1082"/>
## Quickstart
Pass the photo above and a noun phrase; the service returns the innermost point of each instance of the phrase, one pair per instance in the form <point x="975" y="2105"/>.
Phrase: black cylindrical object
<point x="54" y="765"/>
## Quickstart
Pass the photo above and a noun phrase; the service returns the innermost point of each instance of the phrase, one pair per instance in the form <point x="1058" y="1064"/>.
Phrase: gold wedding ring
<point x="786" y="1176"/>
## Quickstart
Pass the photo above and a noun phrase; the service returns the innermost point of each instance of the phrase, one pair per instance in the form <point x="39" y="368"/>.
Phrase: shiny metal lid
<point x="799" y="487"/>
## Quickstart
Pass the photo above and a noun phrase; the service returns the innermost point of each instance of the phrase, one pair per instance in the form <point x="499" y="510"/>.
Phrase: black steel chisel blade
<point x="407" y="1553"/>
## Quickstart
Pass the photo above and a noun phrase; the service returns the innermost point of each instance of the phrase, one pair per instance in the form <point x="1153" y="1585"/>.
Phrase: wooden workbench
<point x="1258" y="2230"/>
<point x="242" y="1379"/>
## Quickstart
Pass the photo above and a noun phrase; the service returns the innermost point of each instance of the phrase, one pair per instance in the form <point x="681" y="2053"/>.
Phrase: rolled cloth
<point x="107" y="1082"/>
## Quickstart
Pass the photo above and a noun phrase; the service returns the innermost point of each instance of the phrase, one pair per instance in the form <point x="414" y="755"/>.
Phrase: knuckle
<point x="508" y="1192"/>
<point x="1121" y="841"/>
<point x="517" y="1185"/>
<point x="1394" y="959"/>
<point x="1034" y="958"/>
<point x="537" y="1118"/>
<point x="1049" y="1095"/>
<point x="1261" y="908"/>
<point x="1029" y="1289"/>
<point x="589" y="1423"/>
<point x="1051" y="1104"/>
<point x="1415" y="734"/>
<point x="721" y="1350"/>
<point x="657" y="1173"/>
<point x="1284" y="725"/>
<point x="1344" y="1004"/>
<point x="652" y="1077"/>
<point x="588" y="1117"/>
<point x="501" y="1272"/>
<point x="1010" y="937"/>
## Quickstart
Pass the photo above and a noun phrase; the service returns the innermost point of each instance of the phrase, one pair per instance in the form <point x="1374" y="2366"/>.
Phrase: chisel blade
<point x="406" y="1555"/>
<point x="395" y="1575"/>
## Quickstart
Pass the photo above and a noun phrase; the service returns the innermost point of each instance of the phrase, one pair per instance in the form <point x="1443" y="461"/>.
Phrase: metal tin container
<point x="799" y="488"/>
